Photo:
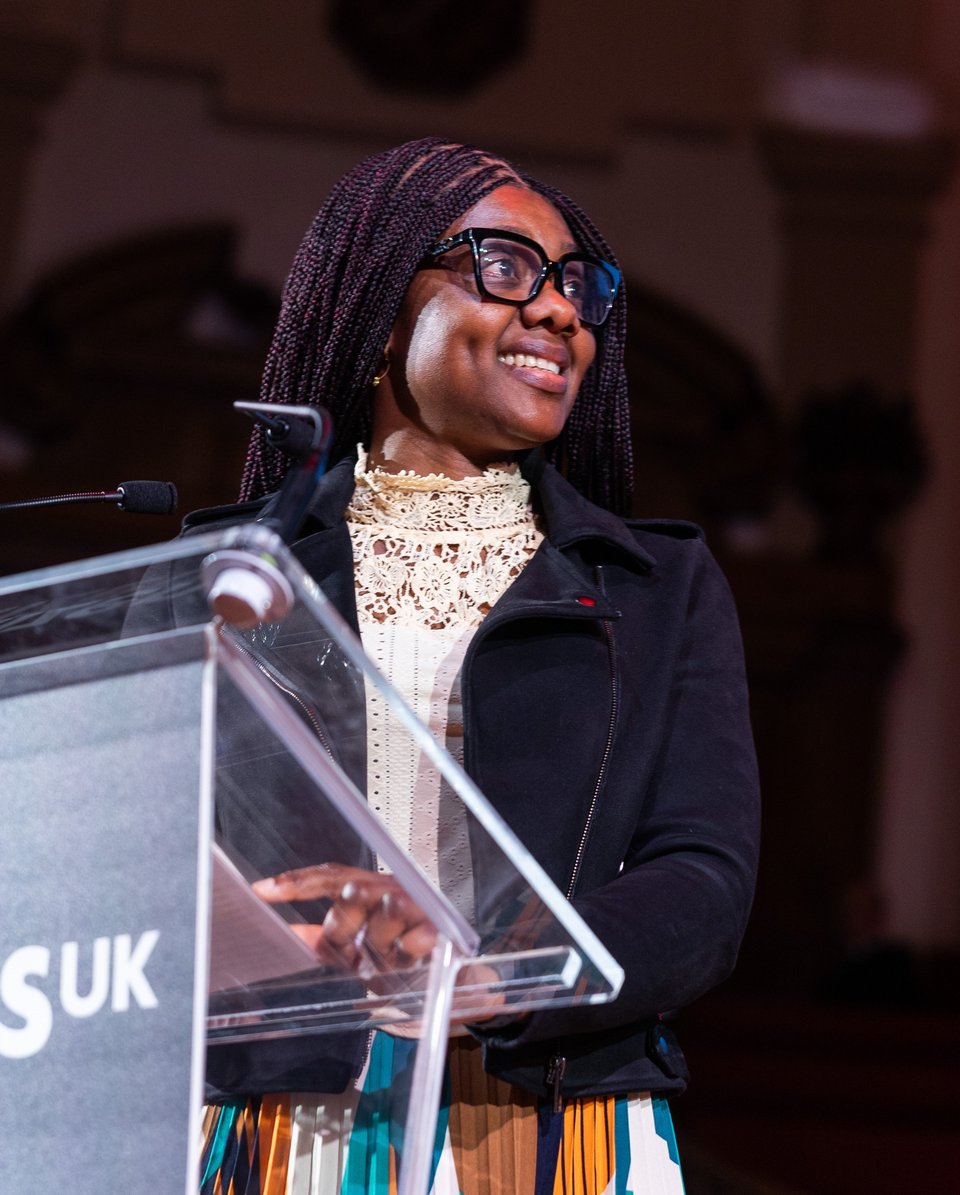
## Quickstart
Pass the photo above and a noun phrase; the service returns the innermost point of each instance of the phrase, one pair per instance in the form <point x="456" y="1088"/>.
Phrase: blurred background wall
<point x="779" y="181"/>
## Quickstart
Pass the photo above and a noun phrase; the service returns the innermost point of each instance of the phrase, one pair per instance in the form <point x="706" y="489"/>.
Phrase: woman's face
<point x="472" y="381"/>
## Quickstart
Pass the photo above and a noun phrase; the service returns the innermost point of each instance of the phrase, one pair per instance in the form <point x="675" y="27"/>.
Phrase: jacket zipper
<point x="308" y="710"/>
<point x="557" y="1065"/>
<point x="555" y="1070"/>
<point x="608" y="747"/>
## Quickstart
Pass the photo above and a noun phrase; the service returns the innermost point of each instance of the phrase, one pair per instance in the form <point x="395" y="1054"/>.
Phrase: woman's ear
<point x="383" y="369"/>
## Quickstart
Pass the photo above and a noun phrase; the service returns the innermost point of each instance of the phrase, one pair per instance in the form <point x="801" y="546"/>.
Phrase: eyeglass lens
<point x="508" y="270"/>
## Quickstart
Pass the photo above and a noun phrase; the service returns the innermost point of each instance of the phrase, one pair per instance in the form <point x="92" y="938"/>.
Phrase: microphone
<point x="244" y="587"/>
<point x="295" y="437"/>
<point x="147" y="497"/>
<point x="136" y="497"/>
<point x="304" y="434"/>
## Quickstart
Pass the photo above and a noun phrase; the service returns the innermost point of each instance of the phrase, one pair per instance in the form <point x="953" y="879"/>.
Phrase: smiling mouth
<point x="530" y="361"/>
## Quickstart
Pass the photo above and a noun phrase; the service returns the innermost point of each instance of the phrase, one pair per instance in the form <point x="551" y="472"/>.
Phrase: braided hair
<point x="345" y="289"/>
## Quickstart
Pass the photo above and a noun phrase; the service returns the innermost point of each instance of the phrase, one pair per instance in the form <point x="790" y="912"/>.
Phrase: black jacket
<point x="605" y="718"/>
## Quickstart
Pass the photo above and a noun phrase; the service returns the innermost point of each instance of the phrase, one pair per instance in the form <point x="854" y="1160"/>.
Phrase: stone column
<point x="856" y="211"/>
<point x="854" y="218"/>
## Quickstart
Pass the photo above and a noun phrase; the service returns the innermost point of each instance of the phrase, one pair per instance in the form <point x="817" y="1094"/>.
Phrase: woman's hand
<point x="372" y="926"/>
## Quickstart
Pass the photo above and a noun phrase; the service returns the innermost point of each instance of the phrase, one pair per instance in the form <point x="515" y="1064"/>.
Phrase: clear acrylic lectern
<point x="156" y="758"/>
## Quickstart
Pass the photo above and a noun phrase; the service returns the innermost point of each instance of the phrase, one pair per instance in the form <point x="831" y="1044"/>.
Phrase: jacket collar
<point x="333" y="496"/>
<point x="568" y="517"/>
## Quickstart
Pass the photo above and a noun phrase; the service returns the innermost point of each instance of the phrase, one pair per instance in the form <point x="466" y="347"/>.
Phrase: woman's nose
<point x="551" y="308"/>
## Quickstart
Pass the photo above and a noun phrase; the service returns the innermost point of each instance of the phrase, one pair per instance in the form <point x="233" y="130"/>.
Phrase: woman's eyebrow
<point x="566" y="247"/>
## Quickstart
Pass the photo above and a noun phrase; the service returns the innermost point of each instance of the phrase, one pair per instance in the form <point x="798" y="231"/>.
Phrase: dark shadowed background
<point x="779" y="181"/>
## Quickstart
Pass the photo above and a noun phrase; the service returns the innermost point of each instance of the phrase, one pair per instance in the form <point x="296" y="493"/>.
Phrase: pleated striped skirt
<point x="492" y="1138"/>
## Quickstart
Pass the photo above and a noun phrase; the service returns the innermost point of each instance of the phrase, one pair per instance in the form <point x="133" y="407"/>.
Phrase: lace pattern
<point x="431" y="558"/>
<point x="403" y="786"/>
<point x="433" y="552"/>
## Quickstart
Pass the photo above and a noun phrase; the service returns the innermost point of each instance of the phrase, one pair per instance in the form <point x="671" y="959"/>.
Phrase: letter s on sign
<point x="26" y="1001"/>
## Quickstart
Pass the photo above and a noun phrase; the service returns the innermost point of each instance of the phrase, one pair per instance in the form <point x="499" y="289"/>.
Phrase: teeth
<point x="528" y="360"/>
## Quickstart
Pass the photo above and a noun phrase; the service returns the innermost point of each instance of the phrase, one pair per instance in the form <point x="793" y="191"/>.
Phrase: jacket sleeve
<point x="675" y="915"/>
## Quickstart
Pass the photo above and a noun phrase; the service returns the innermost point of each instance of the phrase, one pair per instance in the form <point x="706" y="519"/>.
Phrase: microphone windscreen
<point x="148" y="497"/>
<point x="295" y="437"/>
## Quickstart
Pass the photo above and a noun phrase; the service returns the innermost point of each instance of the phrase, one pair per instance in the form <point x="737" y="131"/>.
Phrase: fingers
<point x="415" y="944"/>
<point x="372" y="926"/>
<point x="478" y="995"/>
<point x="322" y="882"/>
<point x="389" y="919"/>
<point x="377" y="926"/>
<point x="312" y="935"/>
<point x="345" y="923"/>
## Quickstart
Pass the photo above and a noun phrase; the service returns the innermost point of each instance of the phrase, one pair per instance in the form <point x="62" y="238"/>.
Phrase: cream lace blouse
<point x="431" y="558"/>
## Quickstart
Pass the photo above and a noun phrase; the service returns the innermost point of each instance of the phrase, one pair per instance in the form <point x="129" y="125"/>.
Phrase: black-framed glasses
<point x="510" y="268"/>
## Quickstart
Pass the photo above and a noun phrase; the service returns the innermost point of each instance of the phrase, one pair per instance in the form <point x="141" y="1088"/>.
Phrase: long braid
<point x="345" y="289"/>
<point x="595" y="448"/>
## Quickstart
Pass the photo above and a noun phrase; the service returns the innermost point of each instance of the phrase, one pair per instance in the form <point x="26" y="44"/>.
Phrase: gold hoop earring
<point x="378" y="378"/>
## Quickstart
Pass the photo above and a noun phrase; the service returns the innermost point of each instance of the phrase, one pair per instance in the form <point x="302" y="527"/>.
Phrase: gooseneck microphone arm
<point x="135" y="497"/>
<point x="303" y="433"/>
<point x="246" y="587"/>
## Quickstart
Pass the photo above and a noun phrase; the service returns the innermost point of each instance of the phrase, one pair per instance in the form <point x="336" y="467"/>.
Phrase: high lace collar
<point x="497" y="498"/>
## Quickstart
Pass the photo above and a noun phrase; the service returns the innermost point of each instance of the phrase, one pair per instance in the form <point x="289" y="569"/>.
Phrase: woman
<point x="464" y="324"/>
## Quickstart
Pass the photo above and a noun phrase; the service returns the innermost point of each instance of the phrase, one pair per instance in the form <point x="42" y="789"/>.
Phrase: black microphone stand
<point x="244" y="587"/>
<point x="303" y="433"/>
<point x="136" y="497"/>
